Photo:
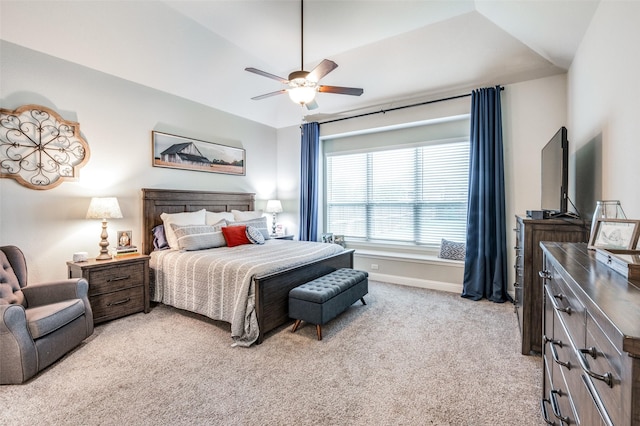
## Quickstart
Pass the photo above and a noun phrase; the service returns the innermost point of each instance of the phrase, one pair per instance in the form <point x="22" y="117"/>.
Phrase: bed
<point x="271" y="289"/>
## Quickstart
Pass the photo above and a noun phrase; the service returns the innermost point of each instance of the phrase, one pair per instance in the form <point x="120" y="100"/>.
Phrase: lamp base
<point x="104" y="243"/>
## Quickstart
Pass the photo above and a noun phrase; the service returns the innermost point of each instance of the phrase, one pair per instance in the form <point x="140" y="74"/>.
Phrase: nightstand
<point x="282" y="237"/>
<point x="117" y="287"/>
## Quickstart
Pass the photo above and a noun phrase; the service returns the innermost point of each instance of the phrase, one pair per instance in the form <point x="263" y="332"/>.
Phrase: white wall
<point x="116" y="118"/>
<point x="604" y="105"/>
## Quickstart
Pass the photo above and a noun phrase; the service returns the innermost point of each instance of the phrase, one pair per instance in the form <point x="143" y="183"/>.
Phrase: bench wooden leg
<point x="296" y="325"/>
<point x="362" y="300"/>
<point x="319" y="331"/>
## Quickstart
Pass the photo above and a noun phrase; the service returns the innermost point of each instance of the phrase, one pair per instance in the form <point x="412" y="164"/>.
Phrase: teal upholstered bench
<point x="319" y="301"/>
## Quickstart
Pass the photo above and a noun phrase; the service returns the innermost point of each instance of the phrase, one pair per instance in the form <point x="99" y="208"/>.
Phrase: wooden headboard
<point x="158" y="201"/>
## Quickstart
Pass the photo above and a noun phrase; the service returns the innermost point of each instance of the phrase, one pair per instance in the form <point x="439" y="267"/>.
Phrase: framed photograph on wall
<point x="615" y="234"/>
<point x="179" y="152"/>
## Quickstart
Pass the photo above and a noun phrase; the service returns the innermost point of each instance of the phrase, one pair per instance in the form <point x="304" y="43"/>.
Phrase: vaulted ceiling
<point x="398" y="51"/>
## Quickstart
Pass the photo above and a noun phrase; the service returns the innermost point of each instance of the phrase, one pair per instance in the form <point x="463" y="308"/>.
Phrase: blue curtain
<point x="310" y="141"/>
<point x="485" y="267"/>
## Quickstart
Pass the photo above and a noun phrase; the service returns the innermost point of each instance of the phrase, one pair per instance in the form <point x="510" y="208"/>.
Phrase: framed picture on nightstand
<point x="124" y="240"/>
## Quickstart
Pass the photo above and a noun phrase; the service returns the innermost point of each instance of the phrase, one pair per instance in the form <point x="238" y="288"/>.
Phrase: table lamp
<point x="274" y="206"/>
<point x="104" y="208"/>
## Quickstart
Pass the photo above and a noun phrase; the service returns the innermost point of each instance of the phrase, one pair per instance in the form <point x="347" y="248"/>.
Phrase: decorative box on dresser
<point x="117" y="287"/>
<point x="528" y="261"/>
<point x="591" y="356"/>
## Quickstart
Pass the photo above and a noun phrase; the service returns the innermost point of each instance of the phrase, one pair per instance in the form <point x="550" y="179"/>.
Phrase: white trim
<point x="397" y="126"/>
<point x="415" y="282"/>
<point x="409" y="257"/>
<point x="419" y="144"/>
<point x="426" y="284"/>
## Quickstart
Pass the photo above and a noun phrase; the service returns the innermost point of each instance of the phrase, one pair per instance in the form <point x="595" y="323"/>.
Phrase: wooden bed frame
<point x="272" y="290"/>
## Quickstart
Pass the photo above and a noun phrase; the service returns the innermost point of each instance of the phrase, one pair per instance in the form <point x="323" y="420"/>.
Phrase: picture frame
<point x="327" y="237"/>
<point x="339" y="239"/>
<point x="124" y="240"/>
<point x="615" y="234"/>
<point x="179" y="152"/>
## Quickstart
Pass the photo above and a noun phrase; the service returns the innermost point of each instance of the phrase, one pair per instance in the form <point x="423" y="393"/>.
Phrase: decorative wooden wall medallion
<point x="40" y="149"/>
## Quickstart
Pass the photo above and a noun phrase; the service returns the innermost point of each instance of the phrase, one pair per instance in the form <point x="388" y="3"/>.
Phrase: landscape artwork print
<point x="178" y="152"/>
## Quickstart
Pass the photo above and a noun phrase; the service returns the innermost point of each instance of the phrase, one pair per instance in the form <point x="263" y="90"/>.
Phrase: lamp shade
<point x="274" y="206"/>
<point x="104" y="208"/>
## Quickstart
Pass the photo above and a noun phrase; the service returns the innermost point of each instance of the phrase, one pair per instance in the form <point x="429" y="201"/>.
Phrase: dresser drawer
<point x="568" y="307"/>
<point x="117" y="304"/>
<point x="559" y="397"/>
<point x="116" y="277"/>
<point x="602" y="363"/>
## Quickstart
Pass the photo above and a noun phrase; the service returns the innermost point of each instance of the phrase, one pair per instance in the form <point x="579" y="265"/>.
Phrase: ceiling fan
<point x="303" y="85"/>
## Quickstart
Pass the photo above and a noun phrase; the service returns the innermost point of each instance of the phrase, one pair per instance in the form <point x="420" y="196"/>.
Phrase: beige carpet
<point x="409" y="357"/>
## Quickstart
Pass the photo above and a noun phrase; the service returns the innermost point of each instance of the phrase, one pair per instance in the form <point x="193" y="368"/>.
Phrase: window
<point x="413" y="194"/>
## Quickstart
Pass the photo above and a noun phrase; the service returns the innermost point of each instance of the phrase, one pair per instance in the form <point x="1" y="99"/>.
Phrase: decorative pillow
<point x="246" y="215"/>
<point x="254" y="235"/>
<point x="198" y="237"/>
<point x="159" y="239"/>
<point x="235" y="235"/>
<point x="186" y="218"/>
<point x="260" y="224"/>
<point x="218" y="225"/>
<point x="452" y="250"/>
<point x="215" y="217"/>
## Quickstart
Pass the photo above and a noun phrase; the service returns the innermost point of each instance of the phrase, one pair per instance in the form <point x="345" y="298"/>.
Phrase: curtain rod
<point x="383" y="111"/>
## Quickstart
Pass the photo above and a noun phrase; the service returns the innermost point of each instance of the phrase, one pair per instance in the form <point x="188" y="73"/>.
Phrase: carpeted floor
<point x="409" y="357"/>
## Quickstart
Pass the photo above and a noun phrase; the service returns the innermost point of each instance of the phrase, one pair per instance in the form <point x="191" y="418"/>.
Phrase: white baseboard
<point x="428" y="284"/>
<point x="414" y="282"/>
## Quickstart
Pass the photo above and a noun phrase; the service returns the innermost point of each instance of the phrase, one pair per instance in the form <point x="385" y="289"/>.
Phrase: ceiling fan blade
<point x="323" y="68"/>
<point x="267" y="95"/>
<point x="353" y="91"/>
<point x="266" y="74"/>
<point x="312" y="105"/>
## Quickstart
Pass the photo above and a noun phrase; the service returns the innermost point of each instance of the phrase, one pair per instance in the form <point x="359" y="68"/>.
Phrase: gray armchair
<point x="38" y="323"/>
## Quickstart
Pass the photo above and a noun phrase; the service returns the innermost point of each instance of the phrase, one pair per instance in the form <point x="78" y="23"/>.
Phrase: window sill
<point x="408" y="257"/>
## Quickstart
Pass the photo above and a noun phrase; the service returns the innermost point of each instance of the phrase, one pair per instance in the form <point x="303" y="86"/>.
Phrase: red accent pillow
<point x="235" y="235"/>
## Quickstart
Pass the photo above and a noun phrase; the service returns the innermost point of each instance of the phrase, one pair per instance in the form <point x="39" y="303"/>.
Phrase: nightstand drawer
<point x="114" y="278"/>
<point x="117" y="304"/>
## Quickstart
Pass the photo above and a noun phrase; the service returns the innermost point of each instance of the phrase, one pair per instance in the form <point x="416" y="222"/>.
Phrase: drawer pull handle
<point x="545" y="415"/>
<point x="554" y="353"/>
<point x="606" y="377"/>
<point x="554" y="405"/>
<point x="125" y="277"/>
<point x="560" y="296"/>
<point x="119" y="302"/>
<point x="545" y="275"/>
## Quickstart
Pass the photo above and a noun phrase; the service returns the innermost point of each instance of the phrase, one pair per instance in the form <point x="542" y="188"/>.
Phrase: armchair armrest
<point x="18" y="360"/>
<point x="56" y="291"/>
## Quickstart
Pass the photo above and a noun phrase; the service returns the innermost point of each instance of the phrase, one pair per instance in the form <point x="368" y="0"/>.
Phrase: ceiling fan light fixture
<point x="302" y="91"/>
<point x="302" y="95"/>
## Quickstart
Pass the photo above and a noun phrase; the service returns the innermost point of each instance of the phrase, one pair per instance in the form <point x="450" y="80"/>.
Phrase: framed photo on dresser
<point x="615" y="233"/>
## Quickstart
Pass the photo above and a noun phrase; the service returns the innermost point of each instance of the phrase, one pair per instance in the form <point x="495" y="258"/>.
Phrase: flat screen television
<point x="555" y="173"/>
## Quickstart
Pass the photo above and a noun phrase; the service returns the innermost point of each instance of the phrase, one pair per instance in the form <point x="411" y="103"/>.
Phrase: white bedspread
<point x="218" y="283"/>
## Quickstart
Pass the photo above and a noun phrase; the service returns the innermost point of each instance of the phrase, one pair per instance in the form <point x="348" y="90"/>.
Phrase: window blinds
<point x="415" y="194"/>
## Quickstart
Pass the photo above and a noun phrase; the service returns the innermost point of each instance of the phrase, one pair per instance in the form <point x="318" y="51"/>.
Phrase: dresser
<point x="528" y="261"/>
<point x="117" y="287"/>
<point x="591" y="354"/>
